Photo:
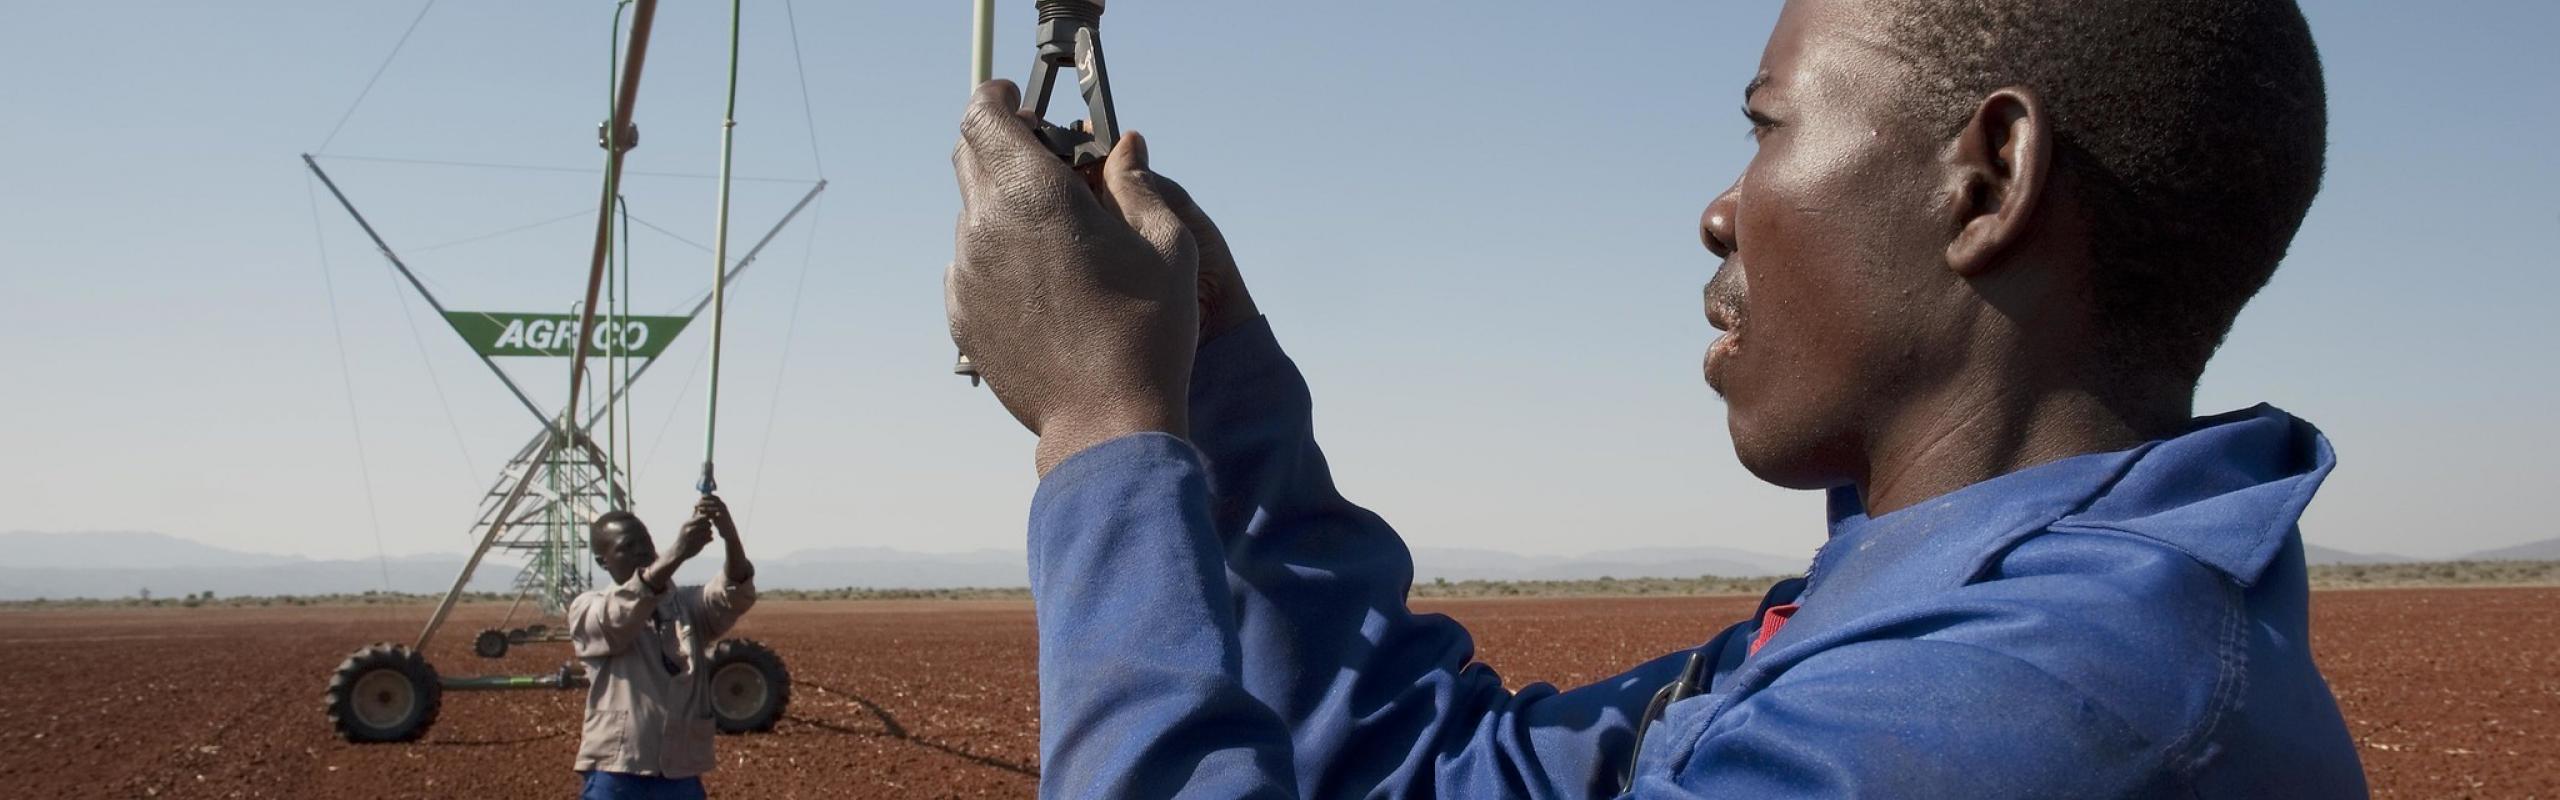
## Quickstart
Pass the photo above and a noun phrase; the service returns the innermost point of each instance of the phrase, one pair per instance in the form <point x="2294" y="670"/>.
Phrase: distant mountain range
<point x="2315" y="554"/>
<point x="122" y="550"/>
<point x="2545" y="550"/>
<point x="127" y="563"/>
<point x="883" y="568"/>
<point x="123" y="563"/>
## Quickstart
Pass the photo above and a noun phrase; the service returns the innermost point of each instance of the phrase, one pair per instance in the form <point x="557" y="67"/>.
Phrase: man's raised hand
<point x="711" y="507"/>
<point x="1224" y="303"/>
<point x="695" y="535"/>
<point x="1078" y="302"/>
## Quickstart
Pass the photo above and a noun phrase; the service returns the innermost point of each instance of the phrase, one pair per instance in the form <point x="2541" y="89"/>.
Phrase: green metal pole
<point x="623" y="453"/>
<point x="982" y="52"/>
<point x="720" y="259"/>
<point x="494" y="683"/>
<point x="982" y="68"/>
<point x="620" y="393"/>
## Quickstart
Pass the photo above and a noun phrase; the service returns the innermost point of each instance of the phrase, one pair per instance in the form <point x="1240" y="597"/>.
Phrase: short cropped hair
<point x="610" y="518"/>
<point x="2193" y="132"/>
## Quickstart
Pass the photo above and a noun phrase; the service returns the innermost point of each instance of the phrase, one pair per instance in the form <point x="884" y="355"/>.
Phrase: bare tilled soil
<point x="2451" y="693"/>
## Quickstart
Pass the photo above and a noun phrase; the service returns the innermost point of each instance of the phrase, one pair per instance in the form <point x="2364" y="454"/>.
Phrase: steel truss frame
<point x="560" y="470"/>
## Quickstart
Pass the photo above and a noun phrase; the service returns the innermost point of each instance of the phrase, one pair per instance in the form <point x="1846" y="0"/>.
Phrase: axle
<point x="572" y="675"/>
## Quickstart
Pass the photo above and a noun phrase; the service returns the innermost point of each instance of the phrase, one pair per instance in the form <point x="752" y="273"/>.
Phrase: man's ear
<point x="2001" y="164"/>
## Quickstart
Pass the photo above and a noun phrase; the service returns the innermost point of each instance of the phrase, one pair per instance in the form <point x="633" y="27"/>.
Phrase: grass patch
<point x="858" y="593"/>
<point x="1701" y="586"/>
<point x="2436" y="573"/>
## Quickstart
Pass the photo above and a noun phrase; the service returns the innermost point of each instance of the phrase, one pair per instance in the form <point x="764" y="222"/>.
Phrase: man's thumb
<point x="1136" y="192"/>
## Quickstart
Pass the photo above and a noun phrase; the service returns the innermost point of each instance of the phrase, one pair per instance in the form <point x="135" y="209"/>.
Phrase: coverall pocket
<point x="606" y="737"/>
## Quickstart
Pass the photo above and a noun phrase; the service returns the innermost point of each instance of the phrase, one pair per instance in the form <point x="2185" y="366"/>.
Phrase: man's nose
<point x="1715" y="227"/>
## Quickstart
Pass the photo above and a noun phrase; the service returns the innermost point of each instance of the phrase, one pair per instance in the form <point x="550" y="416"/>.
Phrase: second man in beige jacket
<point x="647" y="647"/>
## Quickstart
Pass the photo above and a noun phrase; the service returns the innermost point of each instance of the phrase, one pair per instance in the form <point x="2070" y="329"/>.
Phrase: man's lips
<point x="1719" y="364"/>
<point x="1724" y="312"/>
<point x="1726" y="319"/>
<point x="1724" y="296"/>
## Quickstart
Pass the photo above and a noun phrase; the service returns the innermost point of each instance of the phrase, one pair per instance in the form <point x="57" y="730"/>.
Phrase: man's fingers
<point x="1137" y="193"/>
<point x="1214" y="256"/>
<point x="996" y="144"/>
<point x="953" y="315"/>
<point x="990" y="118"/>
<point x="1139" y="196"/>
<point x="1128" y="158"/>
<point x="1179" y="199"/>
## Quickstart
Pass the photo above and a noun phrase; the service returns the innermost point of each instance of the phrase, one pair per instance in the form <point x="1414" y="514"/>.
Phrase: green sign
<point x="495" y="333"/>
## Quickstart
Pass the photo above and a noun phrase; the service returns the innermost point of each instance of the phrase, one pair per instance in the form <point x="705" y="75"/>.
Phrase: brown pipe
<point x="628" y="92"/>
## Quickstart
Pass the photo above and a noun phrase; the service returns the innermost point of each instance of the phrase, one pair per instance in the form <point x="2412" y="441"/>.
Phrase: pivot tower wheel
<point x="384" y="693"/>
<point x="749" y="686"/>
<point x="491" y="643"/>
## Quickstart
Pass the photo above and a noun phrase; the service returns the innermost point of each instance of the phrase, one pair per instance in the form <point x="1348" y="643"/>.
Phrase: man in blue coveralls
<point x="1969" y="282"/>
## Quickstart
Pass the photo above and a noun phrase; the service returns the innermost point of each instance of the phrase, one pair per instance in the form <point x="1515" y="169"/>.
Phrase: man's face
<point x="1833" y="266"/>
<point x="623" y="547"/>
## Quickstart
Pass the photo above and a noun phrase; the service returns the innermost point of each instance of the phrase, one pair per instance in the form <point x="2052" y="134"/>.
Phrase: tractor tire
<point x="491" y="643"/>
<point x="750" y="687"/>
<point x="384" y="693"/>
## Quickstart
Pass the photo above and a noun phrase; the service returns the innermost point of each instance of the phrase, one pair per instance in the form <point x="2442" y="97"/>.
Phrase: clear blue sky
<point x="1475" y="229"/>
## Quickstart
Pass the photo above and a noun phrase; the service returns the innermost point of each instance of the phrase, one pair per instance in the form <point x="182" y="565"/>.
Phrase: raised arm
<point x="1303" y="675"/>
<point x="1378" y="698"/>
<point x="1139" y="693"/>
<point x="718" y="604"/>
<point x="604" y="623"/>
<point x="1162" y="674"/>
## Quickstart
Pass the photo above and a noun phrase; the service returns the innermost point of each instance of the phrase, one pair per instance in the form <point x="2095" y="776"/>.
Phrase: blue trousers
<point x="624" y="786"/>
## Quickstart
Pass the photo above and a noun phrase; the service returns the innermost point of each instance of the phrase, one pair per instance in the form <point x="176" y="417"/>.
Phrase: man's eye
<point x="1760" y="123"/>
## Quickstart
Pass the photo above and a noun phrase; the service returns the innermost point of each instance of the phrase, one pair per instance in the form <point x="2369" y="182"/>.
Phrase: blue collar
<point x="2228" y="493"/>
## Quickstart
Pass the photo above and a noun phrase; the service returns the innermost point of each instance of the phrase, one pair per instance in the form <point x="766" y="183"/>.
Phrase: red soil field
<point x="2451" y="693"/>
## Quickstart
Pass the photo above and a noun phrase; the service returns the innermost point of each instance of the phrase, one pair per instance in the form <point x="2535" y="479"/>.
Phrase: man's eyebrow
<point x="1757" y="83"/>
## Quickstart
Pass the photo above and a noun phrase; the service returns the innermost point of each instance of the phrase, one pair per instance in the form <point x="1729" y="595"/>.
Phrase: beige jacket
<point x="648" y="663"/>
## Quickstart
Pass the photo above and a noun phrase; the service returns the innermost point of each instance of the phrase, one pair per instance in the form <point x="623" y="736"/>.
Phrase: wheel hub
<point x="737" y="691"/>
<point x="383" y="698"/>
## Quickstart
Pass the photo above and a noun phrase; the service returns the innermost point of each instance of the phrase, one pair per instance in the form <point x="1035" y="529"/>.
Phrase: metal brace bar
<point x="414" y="283"/>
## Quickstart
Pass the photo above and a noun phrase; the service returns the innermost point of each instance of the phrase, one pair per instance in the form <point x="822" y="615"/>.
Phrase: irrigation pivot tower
<point x="569" y="489"/>
<point x="559" y="480"/>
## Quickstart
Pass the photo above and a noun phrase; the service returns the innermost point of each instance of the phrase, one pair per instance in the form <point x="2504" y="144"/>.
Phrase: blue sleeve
<point x="1139" y="695"/>
<point x="1254" y="641"/>
<point x="1378" y="700"/>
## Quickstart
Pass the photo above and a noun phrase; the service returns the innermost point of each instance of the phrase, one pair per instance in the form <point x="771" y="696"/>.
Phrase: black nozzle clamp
<point x="1071" y="38"/>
